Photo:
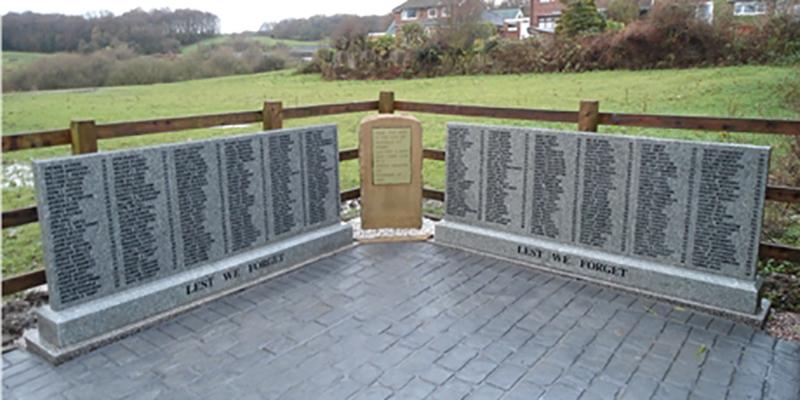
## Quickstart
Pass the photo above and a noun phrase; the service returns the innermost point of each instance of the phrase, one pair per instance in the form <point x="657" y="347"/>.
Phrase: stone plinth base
<point x="64" y="334"/>
<point x="735" y="298"/>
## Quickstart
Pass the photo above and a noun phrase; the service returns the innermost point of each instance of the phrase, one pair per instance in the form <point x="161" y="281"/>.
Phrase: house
<point x="427" y="13"/>
<point x="752" y="8"/>
<point x="546" y="13"/>
<point x="430" y="14"/>
<point x="511" y="23"/>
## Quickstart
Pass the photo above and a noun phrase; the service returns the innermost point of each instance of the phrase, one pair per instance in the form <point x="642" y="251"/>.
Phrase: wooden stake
<point x="83" y="135"/>
<point x="386" y="103"/>
<point x="588" y="116"/>
<point x="273" y="115"/>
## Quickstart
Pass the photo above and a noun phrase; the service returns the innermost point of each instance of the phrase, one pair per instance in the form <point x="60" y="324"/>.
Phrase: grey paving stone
<point x="373" y="393"/>
<point x="506" y="375"/>
<point x="562" y="392"/>
<point x="456" y="358"/>
<point x="366" y="374"/>
<point x="296" y="337"/>
<point x="414" y="390"/>
<point x="452" y="390"/>
<point x="486" y="393"/>
<point x="436" y="375"/>
<point x="476" y="370"/>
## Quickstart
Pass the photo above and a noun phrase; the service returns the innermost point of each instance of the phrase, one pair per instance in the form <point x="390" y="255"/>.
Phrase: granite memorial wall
<point x="112" y="222"/>
<point x="676" y="218"/>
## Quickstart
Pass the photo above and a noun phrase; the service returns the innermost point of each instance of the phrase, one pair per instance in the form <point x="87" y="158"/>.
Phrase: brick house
<point x="430" y="14"/>
<point x="546" y="13"/>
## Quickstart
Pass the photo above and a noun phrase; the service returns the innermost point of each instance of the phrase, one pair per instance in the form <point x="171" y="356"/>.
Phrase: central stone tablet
<point x="390" y="152"/>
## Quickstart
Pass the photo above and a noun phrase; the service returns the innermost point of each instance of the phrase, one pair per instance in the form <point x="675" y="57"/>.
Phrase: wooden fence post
<point x="386" y="103"/>
<point x="273" y="115"/>
<point x="83" y="135"/>
<point x="588" y="116"/>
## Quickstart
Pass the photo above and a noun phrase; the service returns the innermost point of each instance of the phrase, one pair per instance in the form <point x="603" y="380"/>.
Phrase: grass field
<point x="739" y="91"/>
<point x="262" y="39"/>
<point x="17" y="59"/>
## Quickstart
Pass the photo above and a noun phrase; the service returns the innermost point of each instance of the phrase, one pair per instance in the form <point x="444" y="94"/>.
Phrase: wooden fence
<point x="84" y="135"/>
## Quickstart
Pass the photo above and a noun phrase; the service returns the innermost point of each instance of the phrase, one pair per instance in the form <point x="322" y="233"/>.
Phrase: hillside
<point x="17" y="59"/>
<point x="268" y="41"/>
<point x="737" y="91"/>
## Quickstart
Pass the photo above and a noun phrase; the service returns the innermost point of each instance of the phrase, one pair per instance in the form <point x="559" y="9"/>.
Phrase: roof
<point x="418" y="4"/>
<point x="498" y="16"/>
<point x="392" y="29"/>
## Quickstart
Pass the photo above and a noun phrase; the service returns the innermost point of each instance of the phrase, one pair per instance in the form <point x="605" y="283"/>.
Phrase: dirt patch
<point x="785" y="325"/>
<point x="18" y="315"/>
<point x="783" y="290"/>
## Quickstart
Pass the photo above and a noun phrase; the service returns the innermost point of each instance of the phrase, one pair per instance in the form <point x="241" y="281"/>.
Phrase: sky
<point x="235" y="15"/>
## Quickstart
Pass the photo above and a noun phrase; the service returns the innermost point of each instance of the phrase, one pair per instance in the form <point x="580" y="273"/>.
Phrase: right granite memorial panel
<point x="651" y="212"/>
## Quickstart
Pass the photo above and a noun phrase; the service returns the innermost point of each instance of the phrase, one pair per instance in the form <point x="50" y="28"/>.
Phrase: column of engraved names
<point x="240" y="161"/>
<point x="549" y="172"/>
<point x="191" y="175"/>
<point x="599" y="166"/>
<point x="319" y="168"/>
<point x="498" y="163"/>
<point x="65" y="193"/>
<point x="458" y="183"/>
<point x="755" y="220"/>
<point x="714" y="246"/>
<point x="135" y="199"/>
<point x="655" y="195"/>
<point x="281" y="173"/>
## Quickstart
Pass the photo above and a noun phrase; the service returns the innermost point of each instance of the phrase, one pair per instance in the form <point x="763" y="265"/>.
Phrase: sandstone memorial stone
<point x="676" y="219"/>
<point x="132" y="235"/>
<point x="390" y="153"/>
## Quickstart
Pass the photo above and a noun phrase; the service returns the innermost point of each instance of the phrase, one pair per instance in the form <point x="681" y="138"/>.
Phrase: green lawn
<point x="262" y="39"/>
<point x="738" y="91"/>
<point x="16" y="59"/>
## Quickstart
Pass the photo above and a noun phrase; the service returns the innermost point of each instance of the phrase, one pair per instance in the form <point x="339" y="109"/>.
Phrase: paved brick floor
<point x="423" y="321"/>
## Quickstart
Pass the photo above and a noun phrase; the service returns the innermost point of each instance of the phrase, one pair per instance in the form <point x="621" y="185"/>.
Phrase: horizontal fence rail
<point x="61" y="137"/>
<point x="83" y="137"/>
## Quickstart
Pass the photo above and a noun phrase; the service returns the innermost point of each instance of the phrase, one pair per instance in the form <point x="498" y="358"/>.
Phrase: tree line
<point x="319" y="27"/>
<point x="146" y="32"/>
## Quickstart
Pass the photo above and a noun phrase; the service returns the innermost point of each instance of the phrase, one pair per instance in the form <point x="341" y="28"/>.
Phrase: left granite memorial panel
<point x="115" y="221"/>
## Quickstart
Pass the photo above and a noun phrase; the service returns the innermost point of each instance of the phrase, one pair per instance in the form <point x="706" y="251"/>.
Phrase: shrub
<point x="625" y="11"/>
<point x="123" y="67"/>
<point x="671" y="36"/>
<point x="580" y="17"/>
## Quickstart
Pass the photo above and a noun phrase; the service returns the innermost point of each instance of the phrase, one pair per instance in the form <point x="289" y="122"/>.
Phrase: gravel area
<point x="372" y="234"/>
<point x="17" y="175"/>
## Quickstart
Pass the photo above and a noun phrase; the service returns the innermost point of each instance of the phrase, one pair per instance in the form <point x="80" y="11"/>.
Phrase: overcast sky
<point x="235" y="15"/>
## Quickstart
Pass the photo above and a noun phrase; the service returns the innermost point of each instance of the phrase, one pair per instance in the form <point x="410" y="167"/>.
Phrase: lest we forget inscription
<point x="116" y="221"/>
<point x="634" y="211"/>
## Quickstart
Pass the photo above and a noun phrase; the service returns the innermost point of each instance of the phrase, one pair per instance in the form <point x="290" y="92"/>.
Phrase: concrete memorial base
<point x="67" y="333"/>
<point x="733" y="298"/>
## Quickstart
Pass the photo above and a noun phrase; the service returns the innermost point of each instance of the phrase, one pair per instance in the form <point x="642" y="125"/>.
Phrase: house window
<point x="548" y="23"/>
<point x="433" y="13"/>
<point x="748" y="8"/>
<point x="705" y="12"/>
<point x="409" y="13"/>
